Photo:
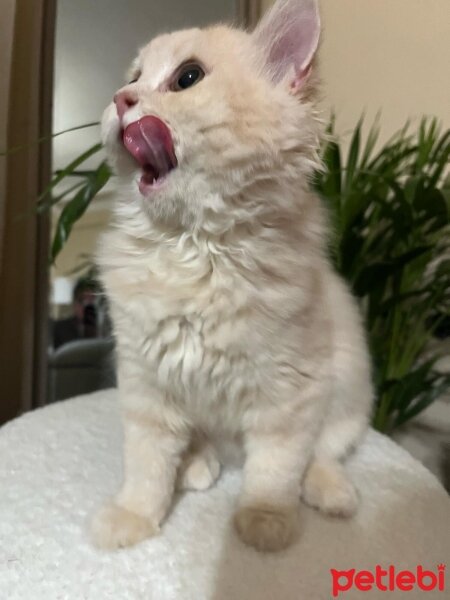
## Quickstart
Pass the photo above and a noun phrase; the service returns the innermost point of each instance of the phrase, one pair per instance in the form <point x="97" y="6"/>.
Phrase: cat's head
<point x="211" y="114"/>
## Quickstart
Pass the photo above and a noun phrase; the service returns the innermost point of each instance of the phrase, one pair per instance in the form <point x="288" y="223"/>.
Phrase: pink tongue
<point x="149" y="141"/>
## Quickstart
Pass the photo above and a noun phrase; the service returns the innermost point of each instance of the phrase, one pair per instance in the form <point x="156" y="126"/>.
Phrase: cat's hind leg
<point x="326" y="485"/>
<point x="328" y="488"/>
<point x="200" y="467"/>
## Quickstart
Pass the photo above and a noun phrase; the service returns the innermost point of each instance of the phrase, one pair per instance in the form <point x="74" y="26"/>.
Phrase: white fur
<point x="228" y="316"/>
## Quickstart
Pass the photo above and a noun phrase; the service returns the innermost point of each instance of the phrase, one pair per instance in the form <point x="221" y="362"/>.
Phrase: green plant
<point x="75" y="198"/>
<point x="390" y="216"/>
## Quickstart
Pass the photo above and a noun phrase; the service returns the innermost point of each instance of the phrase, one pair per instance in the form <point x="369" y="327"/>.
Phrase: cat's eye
<point x="135" y="78"/>
<point x="187" y="76"/>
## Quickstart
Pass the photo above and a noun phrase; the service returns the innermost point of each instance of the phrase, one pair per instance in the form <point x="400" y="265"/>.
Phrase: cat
<point x="229" y="318"/>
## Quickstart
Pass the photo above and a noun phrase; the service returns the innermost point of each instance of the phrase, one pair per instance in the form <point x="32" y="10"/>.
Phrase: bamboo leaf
<point x="371" y="142"/>
<point x="423" y="401"/>
<point x="332" y="160"/>
<point x="353" y="155"/>
<point x="68" y="170"/>
<point x="440" y="160"/>
<point x="46" y="138"/>
<point x="55" y="199"/>
<point x="375" y="275"/>
<point x="75" y="209"/>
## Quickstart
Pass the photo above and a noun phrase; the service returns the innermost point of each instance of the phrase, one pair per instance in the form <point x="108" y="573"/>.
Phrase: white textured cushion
<point x="59" y="463"/>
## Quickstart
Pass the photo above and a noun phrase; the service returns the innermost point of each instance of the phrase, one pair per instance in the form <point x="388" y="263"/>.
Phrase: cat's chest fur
<point x="189" y="323"/>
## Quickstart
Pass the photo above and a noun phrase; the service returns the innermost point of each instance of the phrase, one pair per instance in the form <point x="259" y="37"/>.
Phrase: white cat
<point x="228" y="315"/>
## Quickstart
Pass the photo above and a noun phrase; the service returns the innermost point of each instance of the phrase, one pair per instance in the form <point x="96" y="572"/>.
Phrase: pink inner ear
<point x="289" y="35"/>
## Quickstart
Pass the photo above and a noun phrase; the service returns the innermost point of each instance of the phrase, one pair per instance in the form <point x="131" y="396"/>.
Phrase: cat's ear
<point x="288" y="36"/>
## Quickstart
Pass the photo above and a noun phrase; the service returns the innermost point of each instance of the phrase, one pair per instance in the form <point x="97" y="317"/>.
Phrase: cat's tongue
<point x="150" y="143"/>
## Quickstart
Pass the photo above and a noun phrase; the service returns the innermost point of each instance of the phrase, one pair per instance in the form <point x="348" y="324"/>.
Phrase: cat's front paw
<point x="267" y="528"/>
<point x="116" y="527"/>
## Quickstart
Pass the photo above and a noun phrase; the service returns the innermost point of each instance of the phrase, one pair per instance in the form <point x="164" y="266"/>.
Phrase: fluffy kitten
<point x="228" y="316"/>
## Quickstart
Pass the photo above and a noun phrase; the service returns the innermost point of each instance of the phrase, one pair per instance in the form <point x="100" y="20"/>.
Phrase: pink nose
<point x="124" y="101"/>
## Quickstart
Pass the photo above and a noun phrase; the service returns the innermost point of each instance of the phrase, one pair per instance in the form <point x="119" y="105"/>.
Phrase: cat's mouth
<point x="150" y="143"/>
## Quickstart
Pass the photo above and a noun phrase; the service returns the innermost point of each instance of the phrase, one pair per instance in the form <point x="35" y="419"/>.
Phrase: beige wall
<point x="388" y="55"/>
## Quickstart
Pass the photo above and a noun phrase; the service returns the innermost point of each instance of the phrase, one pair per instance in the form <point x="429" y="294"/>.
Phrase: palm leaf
<point x="77" y="206"/>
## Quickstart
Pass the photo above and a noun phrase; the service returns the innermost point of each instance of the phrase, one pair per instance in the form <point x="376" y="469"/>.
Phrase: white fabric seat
<point x="58" y="464"/>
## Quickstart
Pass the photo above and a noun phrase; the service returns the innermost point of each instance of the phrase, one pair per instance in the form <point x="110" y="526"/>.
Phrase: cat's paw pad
<point x="266" y="528"/>
<point x="116" y="527"/>
<point x="200" y="472"/>
<point x="331" y="493"/>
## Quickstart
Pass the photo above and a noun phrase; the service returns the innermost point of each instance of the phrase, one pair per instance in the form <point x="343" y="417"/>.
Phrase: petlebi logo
<point x="387" y="580"/>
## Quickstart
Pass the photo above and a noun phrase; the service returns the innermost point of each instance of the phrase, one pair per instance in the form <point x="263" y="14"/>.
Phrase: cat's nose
<point x="124" y="100"/>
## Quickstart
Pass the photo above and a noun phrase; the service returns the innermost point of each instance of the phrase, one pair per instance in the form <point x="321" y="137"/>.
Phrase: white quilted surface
<point x="58" y="463"/>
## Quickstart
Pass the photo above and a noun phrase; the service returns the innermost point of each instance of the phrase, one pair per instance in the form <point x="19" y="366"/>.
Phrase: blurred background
<point x="61" y="62"/>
